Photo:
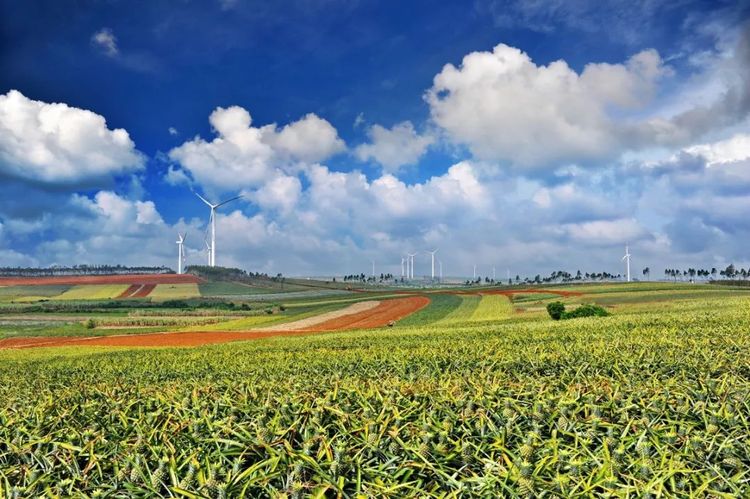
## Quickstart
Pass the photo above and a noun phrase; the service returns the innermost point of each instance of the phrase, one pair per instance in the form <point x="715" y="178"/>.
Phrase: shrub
<point x="90" y="324"/>
<point x="556" y="310"/>
<point x="586" y="310"/>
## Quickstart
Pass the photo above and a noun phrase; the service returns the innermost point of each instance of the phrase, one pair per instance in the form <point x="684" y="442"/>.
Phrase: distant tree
<point x="646" y="272"/>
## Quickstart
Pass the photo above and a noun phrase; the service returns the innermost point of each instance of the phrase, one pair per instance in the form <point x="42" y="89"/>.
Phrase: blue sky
<point x="524" y="135"/>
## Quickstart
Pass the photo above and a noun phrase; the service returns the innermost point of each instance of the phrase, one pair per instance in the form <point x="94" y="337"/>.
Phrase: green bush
<point x="556" y="310"/>
<point x="90" y="324"/>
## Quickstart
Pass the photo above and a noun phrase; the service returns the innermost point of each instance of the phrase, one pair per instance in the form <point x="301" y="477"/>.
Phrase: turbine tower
<point x="208" y="252"/>
<point x="475" y="271"/>
<point x="433" y="262"/>
<point x="626" y="258"/>
<point x="180" y="251"/>
<point x="212" y="221"/>
<point x="411" y="267"/>
<point x="402" y="267"/>
<point x="373" y="267"/>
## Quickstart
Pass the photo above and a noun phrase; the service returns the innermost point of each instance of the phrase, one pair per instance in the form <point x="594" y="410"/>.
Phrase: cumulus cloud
<point x="505" y="107"/>
<point x="395" y="147"/>
<point x="105" y="40"/>
<point x="57" y="144"/>
<point x="246" y="156"/>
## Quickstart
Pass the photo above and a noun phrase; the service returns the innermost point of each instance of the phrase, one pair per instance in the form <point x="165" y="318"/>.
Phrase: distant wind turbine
<point x="626" y="258"/>
<point x="212" y="221"/>
<point x="180" y="251"/>
<point x="402" y="267"/>
<point x="411" y="267"/>
<point x="373" y="267"/>
<point x="475" y="271"/>
<point x="433" y="262"/>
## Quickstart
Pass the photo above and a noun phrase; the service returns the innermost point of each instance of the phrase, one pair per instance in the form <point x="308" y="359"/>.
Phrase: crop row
<point x="654" y="404"/>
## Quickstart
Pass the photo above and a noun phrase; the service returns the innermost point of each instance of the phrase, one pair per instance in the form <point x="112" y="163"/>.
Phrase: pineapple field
<point x="472" y="395"/>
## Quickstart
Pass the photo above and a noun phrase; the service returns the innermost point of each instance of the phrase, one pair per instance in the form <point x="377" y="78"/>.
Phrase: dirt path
<point x="376" y="316"/>
<point x="354" y="308"/>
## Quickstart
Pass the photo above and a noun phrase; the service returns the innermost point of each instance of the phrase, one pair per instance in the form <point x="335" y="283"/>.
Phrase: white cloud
<point x="736" y="148"/>
<point x="401" y="145"/>
<point x="281" y="193"/>
<point x="105" y="40"/>
<point x="57" y="144"/>
<point x="243" y="156"/>
<point x="173" y="131"/>
<point x="505" y="107"/>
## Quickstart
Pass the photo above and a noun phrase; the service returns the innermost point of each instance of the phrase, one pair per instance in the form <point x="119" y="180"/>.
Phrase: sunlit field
<point x="473" y="395"/>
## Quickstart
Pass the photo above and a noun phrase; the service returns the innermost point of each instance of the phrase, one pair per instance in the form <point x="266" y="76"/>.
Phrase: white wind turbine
<point x="433" y="262"/>
<point x="180" y="251"/>
<point x="626" y="258"/>
<point x="212" y="221"/>
<point x="402" y="267"/>
<point x="208" y="251"/>
<point x="411" y="267"/>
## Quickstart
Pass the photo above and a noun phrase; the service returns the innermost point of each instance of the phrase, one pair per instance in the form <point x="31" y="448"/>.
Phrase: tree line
<point x="81" y="270"/>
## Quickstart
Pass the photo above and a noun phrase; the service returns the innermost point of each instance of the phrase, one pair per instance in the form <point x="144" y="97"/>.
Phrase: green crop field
<point x="231" y="289"/>
<point x="466" y="398"/>
<point x="174" y="292"/>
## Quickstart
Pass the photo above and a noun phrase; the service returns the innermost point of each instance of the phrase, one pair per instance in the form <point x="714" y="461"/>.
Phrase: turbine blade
<point x="228" y="201"/>
<point x="203" y="199"/>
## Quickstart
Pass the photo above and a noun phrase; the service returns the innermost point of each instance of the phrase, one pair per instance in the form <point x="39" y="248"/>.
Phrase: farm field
<point x="468" y="396"/>
<point x="174" y="291"/>
<point x="92" y="292"/>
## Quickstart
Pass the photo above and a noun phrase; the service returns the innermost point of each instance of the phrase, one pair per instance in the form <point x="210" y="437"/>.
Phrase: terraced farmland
<point x="174" y="291"/>
<point x="93" y="292"/>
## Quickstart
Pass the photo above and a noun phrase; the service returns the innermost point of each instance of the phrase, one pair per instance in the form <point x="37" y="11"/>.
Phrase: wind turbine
<point x="626" y="258"/>
<point x="180" y="251"/>
<point x="208" y="252"/>
<point x="411" y="258"/>
<point x="373" y="267"/>
<point x="212" y="221"/>
<point x="475" y="271"/>
<point x="433" y="262"/>
<point x="402" y="267"/>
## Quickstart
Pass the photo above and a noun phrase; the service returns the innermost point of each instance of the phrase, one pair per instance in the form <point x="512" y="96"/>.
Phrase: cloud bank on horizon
<point x="507" y="162"/>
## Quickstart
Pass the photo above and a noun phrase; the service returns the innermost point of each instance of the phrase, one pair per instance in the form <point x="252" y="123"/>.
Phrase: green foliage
<point x="440" y="306"/>
<point x="652" y="402"/>
<point x="556" y="310"/>
<point x="90" y="324"/>
<point x="586" y="310"/>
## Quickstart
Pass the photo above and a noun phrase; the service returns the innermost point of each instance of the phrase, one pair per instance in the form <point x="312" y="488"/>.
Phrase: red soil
<point x="101" y="279"/>
<point x="131" y="289"/>
<point x="389" y="310"/>
<point x="144" y="291"/>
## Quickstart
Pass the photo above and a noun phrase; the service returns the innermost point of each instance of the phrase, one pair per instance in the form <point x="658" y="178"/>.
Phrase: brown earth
<point x="381" y="315"/>
<point x="387" y="311"/>
<point x="101" y="279"/>
<point x="131" y="289"/>
<point x="144" y="291"/>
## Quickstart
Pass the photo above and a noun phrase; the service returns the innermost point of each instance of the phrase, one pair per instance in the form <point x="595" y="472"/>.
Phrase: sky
<point x="523" y="136"/>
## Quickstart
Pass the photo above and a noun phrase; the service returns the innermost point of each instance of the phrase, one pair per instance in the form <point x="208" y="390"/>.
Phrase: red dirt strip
<point x="131" y="289"/>
<point x="102" y="279"/>
<point x="389" y="310"/>
<point x="144" y="291"/>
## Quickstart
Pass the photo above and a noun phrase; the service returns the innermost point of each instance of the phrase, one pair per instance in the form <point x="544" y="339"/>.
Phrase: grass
<point x="164" y="292"/>
<point x="440" y="306"/>
<point x="230" y="289"/>
<point x="464" y="311"/>
<point x="651" y="401"/>
<point x="492" y="308"/>
<point x="93" y="292"/>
